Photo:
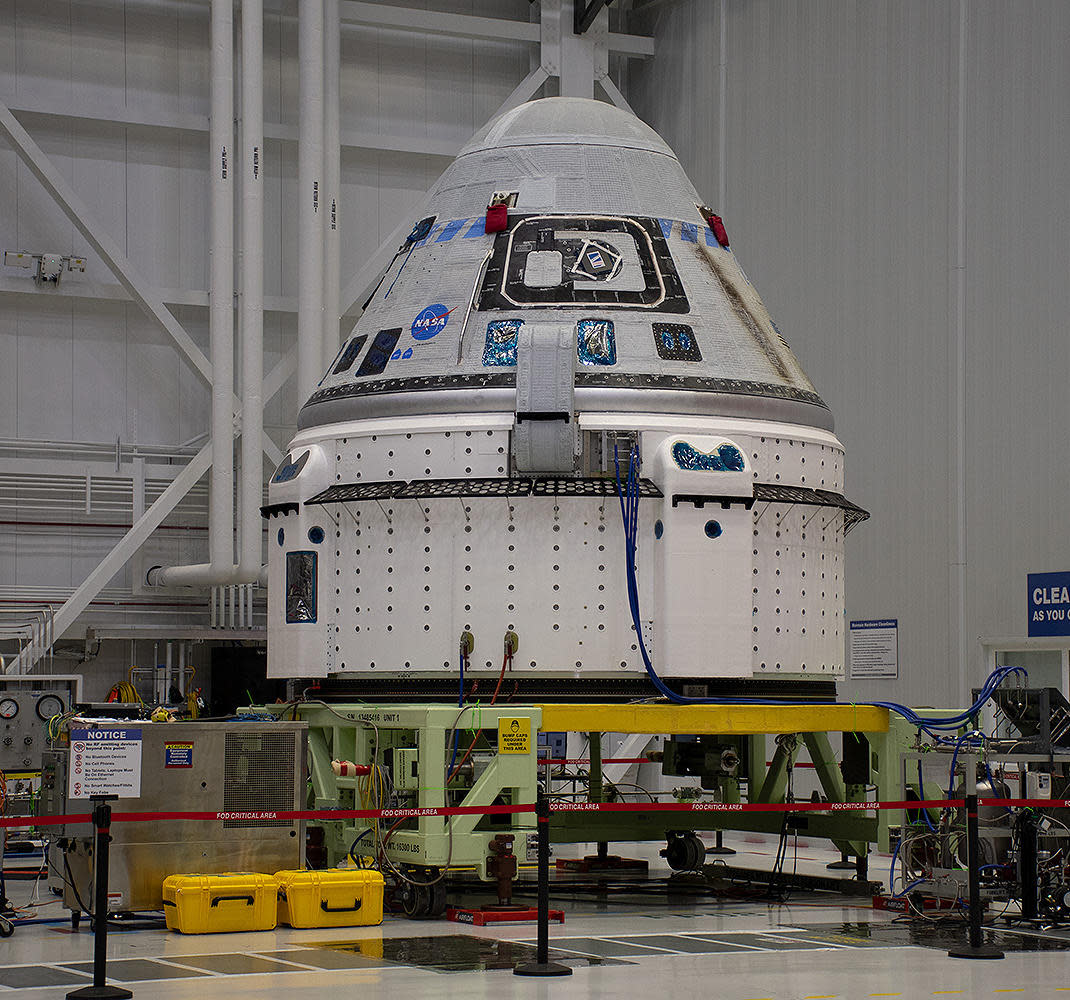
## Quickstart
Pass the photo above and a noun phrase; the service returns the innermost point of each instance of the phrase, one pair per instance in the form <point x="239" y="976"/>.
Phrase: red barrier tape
<point x="640" y="807"/>
<point x="607" y="760"/>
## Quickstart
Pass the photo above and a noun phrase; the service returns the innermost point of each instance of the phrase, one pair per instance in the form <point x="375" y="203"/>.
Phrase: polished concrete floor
<point x="625" y="943"/>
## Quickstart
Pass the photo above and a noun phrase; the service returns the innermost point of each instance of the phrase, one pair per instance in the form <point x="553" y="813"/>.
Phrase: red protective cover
<point x="718" y="229"/>
<point x="497" y="218"/>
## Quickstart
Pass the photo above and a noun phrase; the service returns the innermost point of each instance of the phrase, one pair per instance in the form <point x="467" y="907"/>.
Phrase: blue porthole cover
<point x="289" y="469"/>
<point x="282" y="536"/>
<point x="316" y="535"/>
<point x="659" y="529"/>
<point x="713" y="529"/>
<point x="724" y="458"/>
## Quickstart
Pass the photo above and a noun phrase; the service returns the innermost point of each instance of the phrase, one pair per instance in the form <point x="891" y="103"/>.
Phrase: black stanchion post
<point x="100" y="990"/>
<point x="976" y="947"/>
<point x="542" y="966"/>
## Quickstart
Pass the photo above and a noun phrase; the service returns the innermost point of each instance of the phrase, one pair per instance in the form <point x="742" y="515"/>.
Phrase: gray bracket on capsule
<point x="544" y="436"/>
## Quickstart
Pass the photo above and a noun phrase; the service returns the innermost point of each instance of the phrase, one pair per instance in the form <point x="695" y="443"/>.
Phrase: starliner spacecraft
<point x="564" y="335"/>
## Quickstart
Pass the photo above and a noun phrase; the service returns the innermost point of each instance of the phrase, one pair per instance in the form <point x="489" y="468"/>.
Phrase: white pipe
<point x="220" y="313"/>
<point x="252" y="289"/>
<point x="332" y="179"/>
<point x="309" y="194"/>
<point x="222" y="568"/>
<point x="168" y="673"/>
<point x="221" y="283"/>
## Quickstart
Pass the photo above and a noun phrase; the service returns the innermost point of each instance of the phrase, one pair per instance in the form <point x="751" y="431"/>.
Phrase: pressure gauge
<point x="49" y="705"/>
<point x="9" y="708"/>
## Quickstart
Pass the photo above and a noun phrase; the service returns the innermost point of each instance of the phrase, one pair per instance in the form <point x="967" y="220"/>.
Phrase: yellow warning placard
<point x="514" y="735"/>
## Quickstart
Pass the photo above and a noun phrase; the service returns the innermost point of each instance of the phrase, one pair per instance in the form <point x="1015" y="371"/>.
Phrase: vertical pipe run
<point x="252" y="288"/>
<point x="332" y="179"/>
<point x="221" y="282"/>
<point x="309" y="196"/>
<point x="168" y="673"/>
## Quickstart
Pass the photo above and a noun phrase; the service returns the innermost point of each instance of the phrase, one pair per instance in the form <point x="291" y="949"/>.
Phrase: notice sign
<point x="514" y="736"/>
<point x="1049" y="604"/>
<point x="105" y="762"/>
<point x="875" y="648"/>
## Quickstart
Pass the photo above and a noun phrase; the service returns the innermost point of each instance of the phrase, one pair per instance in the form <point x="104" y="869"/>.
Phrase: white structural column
<point x="222" y="163"/>
<point x="309" y="198"/>
<point x="221" y="281"/>
<point x="332" y="179"/>
<point x="251" y="173"/>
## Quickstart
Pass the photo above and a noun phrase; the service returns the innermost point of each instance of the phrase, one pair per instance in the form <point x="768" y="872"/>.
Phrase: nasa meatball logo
<point x="430" y="322"/>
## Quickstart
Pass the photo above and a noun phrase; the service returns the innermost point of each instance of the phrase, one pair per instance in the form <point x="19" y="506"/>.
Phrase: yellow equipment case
<point x="209" y="904"/>
<point x="337" y="897"/>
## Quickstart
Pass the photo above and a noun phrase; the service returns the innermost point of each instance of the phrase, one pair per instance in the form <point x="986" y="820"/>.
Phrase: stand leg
<point x="542" y="966"/>
<point x="718" y="847"/>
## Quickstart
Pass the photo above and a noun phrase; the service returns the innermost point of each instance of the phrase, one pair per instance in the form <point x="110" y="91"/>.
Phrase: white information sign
<point x="105" y="761"/>
<point x="875" y="648"/>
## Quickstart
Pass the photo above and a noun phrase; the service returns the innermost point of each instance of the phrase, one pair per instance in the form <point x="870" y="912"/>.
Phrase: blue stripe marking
<point x="451" y="229"/>
<point x="444" y="232"/>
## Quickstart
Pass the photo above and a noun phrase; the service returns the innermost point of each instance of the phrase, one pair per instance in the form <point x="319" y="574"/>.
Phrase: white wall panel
<point x="1018" y="298"/>
<point x="98" y="359"/>
<point x="842" y="199"/>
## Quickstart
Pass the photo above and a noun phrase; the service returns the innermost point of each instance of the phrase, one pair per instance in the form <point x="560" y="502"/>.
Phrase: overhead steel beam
<point x="111" y="292"/>
<point x="525" y="90"/>
<point x="613" y="93"/>
<point x="112" y="115"/>
<point x="136" y="286"/>
<point x="429" y="22"/>
<point x="278" y="376"/>
<point x="118" y="557"/>
<point x="585" y="12"/>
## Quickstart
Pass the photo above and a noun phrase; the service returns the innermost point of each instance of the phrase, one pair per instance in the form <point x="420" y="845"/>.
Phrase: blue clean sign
<point x="1049" y="604"/>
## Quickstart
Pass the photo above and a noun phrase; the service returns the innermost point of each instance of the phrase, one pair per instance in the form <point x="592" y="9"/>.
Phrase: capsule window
<point x="349" y="355"/>
<point x="676" y="342"/>
<point x="300" y="588"/>
<point x="379" y="353"/>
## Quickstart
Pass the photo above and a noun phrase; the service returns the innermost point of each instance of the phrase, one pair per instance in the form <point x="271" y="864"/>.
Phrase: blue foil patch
<point x="724" y="458"/>
<point x="596" y="342"/>
<point x="499" y="350"/>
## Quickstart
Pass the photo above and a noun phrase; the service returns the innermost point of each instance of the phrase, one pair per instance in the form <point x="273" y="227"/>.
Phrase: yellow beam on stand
<point x="723" y="720"/>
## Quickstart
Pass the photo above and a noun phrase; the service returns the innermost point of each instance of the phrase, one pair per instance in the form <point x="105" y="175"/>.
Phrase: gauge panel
<point x="49" y="705"/>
